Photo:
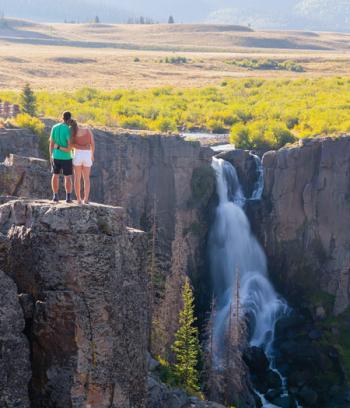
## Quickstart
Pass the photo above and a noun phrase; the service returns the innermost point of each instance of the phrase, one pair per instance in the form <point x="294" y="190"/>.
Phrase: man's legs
<point x="55" y="181"/>
<point x="67" y="172"/>
<point x="68" y="186"/>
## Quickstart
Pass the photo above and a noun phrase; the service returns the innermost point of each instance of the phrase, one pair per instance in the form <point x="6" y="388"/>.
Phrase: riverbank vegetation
<point x="257" y="113"/>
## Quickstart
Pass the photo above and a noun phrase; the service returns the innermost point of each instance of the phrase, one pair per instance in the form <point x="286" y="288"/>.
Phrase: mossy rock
<point x="202" y="186"/>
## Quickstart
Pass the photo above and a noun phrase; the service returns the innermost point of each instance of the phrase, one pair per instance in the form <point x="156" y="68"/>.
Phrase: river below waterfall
<point x="232" y="248"/>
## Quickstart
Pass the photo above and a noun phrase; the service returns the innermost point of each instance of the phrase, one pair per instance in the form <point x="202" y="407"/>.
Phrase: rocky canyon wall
<point x="305" y="219"/>
<point x="83" y="285"/>
<point x="77" y="268"/>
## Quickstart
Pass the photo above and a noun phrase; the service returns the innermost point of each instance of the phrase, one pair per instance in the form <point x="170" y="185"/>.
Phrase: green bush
<point x="216" y="126"/>
<point x="23" y="120"/>
<point x="134" y="122"/>
<point x="268" y="64"/>
<point x="176" y="60"/>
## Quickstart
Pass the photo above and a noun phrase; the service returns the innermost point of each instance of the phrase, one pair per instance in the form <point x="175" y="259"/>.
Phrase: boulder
<point x="285" y="402"/>
<point x="256" y="360"/>
<point x="308" y="396"/>
<point x="272" y="394"/>
<point x="273" y="379"/>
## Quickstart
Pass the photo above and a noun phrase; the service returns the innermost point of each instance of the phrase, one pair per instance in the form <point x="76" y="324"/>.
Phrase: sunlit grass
<point x="258" y="113"/>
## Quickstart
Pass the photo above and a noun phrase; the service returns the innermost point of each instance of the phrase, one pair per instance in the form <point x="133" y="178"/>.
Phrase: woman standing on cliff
<point x="84" y="148"/>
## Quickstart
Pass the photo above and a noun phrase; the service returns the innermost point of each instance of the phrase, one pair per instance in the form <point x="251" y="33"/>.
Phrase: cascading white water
<point x="259" y="184"/>
<point x="232" y="248"/>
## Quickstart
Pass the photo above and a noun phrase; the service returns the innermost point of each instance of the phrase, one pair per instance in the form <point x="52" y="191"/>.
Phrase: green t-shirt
<point x="60" y="135"/>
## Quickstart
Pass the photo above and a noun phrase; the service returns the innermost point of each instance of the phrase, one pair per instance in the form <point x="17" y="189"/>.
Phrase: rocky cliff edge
<point x="82" y="285"/>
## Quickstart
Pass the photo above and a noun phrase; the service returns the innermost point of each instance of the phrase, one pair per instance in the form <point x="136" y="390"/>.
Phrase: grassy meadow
<point x="257" y="113"/>
<point x="265" y="88"/>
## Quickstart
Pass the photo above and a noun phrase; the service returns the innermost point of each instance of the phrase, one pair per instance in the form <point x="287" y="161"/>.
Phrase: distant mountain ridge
<point x="330" y="15"/>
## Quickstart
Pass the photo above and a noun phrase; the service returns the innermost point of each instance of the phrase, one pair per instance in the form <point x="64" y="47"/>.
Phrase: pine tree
<point x="97" y="20"/>
<point x="186" y="345"/>
<point x="28" y="101"/>
<point x="171" y="20"/>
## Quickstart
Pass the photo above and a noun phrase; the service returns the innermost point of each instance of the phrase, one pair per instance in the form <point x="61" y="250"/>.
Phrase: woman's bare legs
<point x="77" y="182"/>
<point x="86" y="177"/>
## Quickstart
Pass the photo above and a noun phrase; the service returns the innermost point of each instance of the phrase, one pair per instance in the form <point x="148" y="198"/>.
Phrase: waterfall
<point x="259" y="184"/>
<point x="233" y="247"/>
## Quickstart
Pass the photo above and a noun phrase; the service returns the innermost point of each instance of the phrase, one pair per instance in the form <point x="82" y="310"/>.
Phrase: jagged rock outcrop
<point x="157" y="173"/>
<point x="25" y="177"/>
<point x="245" y="166"/>
<point x="305" y="221"/>
<point x="85" y="271"/>
<point x="22" y="142"/>
<point x="154" y="177"/>
<point x="163" y="396"/>
<point x="15" y="370"/>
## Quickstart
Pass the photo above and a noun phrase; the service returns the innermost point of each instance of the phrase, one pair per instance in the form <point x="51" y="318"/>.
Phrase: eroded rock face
<point x="245" y="166"/>
<point x="163" y="396"/>
<point x="85" y="271"/>
<point x="25" y="177"/>
<point x="15" y="370"/>
<point x="165" y="177"/>
<point x="306" y="218"/>
<point x="20" y="141"/>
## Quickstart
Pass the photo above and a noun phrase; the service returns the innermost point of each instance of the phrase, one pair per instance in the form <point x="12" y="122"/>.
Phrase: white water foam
<point x="233" y="247"/>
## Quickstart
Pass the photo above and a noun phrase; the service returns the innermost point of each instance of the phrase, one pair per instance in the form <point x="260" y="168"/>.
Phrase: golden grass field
<point x="70" y="56"/>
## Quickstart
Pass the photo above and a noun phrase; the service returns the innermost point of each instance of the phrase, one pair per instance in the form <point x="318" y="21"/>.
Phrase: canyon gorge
<point x="76" y="303"/>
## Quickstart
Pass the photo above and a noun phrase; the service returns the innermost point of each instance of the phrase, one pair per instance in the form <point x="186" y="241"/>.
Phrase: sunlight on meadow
<point x="258" y="113"/>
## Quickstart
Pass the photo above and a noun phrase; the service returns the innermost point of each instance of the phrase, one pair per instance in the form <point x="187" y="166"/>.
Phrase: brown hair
<point x="73" y="127"/>
<point x="66" y="116"/>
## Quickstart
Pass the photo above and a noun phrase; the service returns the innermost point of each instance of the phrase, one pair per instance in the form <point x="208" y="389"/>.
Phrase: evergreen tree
<point x="171" y="20"/>
<point x="28" y="101"/>
<point x="186" y="345"/>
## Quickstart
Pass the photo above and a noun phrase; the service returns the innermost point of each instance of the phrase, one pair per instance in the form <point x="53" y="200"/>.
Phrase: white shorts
<point x="82" y="158"/>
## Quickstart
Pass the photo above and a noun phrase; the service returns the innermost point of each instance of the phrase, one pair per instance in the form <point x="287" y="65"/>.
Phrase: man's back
<point x="60" y="135"/>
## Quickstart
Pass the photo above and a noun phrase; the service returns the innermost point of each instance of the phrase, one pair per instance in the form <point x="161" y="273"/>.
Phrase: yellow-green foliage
<point x="257" y="113"/>
<point x="24" y="120"/>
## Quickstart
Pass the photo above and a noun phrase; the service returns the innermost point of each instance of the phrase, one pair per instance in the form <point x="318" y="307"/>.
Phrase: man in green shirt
<point x="61" y="162"/>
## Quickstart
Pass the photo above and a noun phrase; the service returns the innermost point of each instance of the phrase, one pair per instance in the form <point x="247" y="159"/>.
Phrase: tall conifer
<point x="186" y="345"/>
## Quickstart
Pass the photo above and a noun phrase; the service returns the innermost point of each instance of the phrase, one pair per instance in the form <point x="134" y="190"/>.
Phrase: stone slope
<point x="84" y="271"/>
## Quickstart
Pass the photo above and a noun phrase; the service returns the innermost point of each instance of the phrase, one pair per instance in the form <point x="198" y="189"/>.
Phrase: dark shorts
<point x="62" y="166"/>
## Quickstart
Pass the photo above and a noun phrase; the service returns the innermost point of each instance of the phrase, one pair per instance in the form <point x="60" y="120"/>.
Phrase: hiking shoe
<point x="55" y="198"/>
<point x="69" y="198"/>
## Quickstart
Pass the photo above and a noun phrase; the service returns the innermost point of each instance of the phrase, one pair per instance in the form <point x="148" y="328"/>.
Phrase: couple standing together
<point x="71" y="146"/>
